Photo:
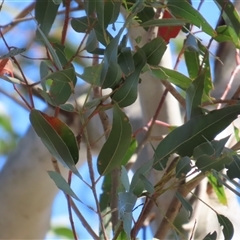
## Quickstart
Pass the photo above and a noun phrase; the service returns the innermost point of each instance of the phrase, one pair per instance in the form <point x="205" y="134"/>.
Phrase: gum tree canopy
<point x="117" y="99"/>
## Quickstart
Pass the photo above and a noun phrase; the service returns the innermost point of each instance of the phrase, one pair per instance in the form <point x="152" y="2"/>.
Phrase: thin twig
<point x="85" y="224"/>
<point x="15" y="99"/>
<point x="24" y="78"/>
<point x="200" y="5"/>
<point x="175" y="206"/>
<point x="22" y="17"/>
<point x="115" y="173"/>
<point x="149" y="204"/>
<point x="118" y="231"/>
<point x="66" y="20"/>
<point x="22" y="14"/>
<point x="69" y="207"/>
<point x="57" y="169"/>
<point x="74" y="207"/>
<point x="20" y="95"/>
<point x="149" y="129"/>
<point x="236" y="94"/>
<point x="216" y="101"/>
<point x="233" y="75"/>
<point x="174" y="92"/>
<point x="92" y="178"/>
<point x="77" y="51"/>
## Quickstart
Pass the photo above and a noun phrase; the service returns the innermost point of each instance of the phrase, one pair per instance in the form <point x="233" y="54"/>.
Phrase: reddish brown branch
<point x="65" y="23"/>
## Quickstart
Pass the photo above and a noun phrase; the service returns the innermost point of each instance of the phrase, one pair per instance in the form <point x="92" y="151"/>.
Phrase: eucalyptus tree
<point x="135" y="112"/>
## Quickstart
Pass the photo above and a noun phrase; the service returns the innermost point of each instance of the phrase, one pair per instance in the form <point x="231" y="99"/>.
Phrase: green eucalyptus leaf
<point x="236" y="133"/>
<point x="117" y="143"/>
<point x="63" y="83"/>
<point x="62" y="184"/>
<point x="11" y="79"/>
<point x="123" y="42"/>
<point x="208" y="85"/>
<point x="183" y="167"/>
<point x="211" y="236"/>
<point x="126" y="203"/>
<point x="147" y="184"/>
<point x="185" y="203"/>
<point x="206" y="163"/>
<point x="102" y="36"/>
<point x="218" y="188"/>
<point x="172" y="76"/>
<point x="191" y="55"/>
<point x="111" y="11"/>
<point x="68" y="107"/>
<point x="124" y="178"/>
<point x="137" y="186"/>
<point x="213" y="148"/>
<point x="44" y="69"/>
<point x="125" y="61"/>
<point x="154" y="50"/>
<point x="122" y="235"/>
<point x="64" y="232"/>
<point x="230" y="15"/>
<point x="50" y="49"/>
<point x="164" y="22"/>
<point x="226" y="33"/>
<point x="100" y="13"/>
<point x="88" y="24"/>
<point x="83" y="24"/>
<point x="57" y="1"/>
<point x="205" y="148"/>
<point x="127" y="93"/>
<point x="94" y="103"/>
<point x="92" y="75"/>
<point x="228" y="229"/>
<point x="45" y="13"/>
<point x="233" y="169"/>
<point x="138" y="39"/>
<point x="109" y="76"/>
<point x="185" y="138"/>
<point x="113" y="76"/>
<point x="184" y="10"/>
<point x="13" y="52"/>
<point x="58" y="139"/>
<point x="219" y="145"/>
<point x="146" y="13"/>
<point x="89" y="7"/>
<point x="92" y="43"/>
<point x="194" y="96"/>
<point x="130" y="151"/>
<point x="60" y="51"/>
<point x="106" y="191"/>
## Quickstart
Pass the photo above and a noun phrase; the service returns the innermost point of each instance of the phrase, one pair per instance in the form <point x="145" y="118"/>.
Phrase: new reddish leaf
<point x="57" y="137"/>
<point x="6" y="67"/>
<point x="170" y="31"/>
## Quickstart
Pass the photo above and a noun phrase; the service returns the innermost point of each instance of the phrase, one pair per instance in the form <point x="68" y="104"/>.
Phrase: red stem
<point x="66" y="19"/>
